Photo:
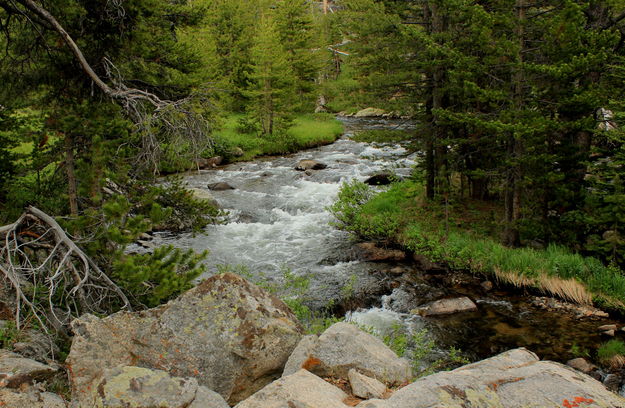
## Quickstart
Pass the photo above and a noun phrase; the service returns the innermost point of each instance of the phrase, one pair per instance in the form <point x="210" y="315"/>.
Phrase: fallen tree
<point x="53" y="280"/>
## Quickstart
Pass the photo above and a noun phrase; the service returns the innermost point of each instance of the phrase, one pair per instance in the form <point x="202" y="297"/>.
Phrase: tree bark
<point x="71" y="175"/>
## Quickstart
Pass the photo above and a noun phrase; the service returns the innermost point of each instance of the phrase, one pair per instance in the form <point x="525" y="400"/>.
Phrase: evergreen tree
<point x="272" y="82"/>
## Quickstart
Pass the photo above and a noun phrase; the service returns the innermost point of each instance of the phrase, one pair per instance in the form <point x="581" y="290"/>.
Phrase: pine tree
<point x="272" y="82"/>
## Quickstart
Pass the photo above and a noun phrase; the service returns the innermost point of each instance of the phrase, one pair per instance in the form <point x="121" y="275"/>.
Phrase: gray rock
<point x="221" y="186"/>
<point x="298" y="390"/>
<point x="513" y="379"/>
<point x="204" y="195"/>
<point x="447" y="306"/>
<point x="37" y="345"/>
<point x="304" y="165"/>
<point x="343" y="347"/>
<point x="209" y="163"/>
<point x="30" y="398"/>
<point x="137" y="387"/>
<point x="369" y="251"/>
<point x="365" y="387"/>
<point x="369" y="112"/>
<point x="229" y="334"/>
<point x="580" y="364"/>
<point x="16" y="370"/>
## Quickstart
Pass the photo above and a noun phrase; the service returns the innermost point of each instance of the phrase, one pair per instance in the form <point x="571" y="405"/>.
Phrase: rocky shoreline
<point x="227" y="343"/>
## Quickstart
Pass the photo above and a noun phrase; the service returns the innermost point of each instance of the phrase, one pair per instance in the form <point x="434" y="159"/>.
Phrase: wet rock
<point x="580" y="311"/>
<point x="609" y="333"/>
<point x="607" y="327"/>
<point x="343" y="347"/>
<point x="221" y="186"/>
<point x="369" y="251"/>
<point x="209" y="163"/>
<point x="447" y="306"/>
<point x="203" y="195"/>
<point x="487" y="286"/>
<point x="424" y="263"/>
<point x="513" y="379"/>
<point x="230" y="335"/>
<point x="407" y="297"/>
<point x="16" y="370"/>
<point x="128" y="387"/>
<point x="309" y="172"/>
<point x="581" y="364"/>
<point x="304" y="165"/>
<point x="380" y="179"/>
<point x="613" y="382"/>
<point x="30" y="398"/>
<point x="298" y="390"/>
<point x="365" y="387"/>
<point x="369" y="113"/>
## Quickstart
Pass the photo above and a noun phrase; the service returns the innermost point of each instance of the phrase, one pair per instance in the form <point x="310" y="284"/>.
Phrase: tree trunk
<point x="71" y="175"/>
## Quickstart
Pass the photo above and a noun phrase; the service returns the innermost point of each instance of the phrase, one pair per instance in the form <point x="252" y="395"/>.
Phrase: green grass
<point x="612" y="353"/>
<point x="306" y="131"/>
<point x="402" y="216"/>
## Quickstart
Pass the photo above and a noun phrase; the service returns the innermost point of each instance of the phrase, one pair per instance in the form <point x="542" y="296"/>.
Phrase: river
<point x="279" y="222"/>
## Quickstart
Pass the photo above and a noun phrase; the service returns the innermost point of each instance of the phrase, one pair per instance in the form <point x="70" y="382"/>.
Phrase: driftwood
<point x="52" y="278"/>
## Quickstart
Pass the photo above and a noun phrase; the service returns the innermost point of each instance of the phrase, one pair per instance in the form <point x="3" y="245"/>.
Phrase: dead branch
<point x="50" y="275"/>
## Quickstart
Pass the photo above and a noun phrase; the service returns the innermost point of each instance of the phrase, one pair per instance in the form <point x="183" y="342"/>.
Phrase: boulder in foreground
<point x="227" y="333"/>
<point x="343" y="347"/>
<point x="514" y="379"/>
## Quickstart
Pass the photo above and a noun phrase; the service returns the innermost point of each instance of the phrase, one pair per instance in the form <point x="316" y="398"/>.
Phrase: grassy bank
<point x="306" y="131"/>
<point x="402" y="216"/>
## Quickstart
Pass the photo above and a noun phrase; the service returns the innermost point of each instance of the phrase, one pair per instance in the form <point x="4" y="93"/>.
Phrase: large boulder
<point x="304" y="165"/>
<point x="16" y="370"/>
<point x="229" y="334"/>
<point x="220" y="186"/>
<point x="513" y="379"/>
<point x="300" y="389"/>
<point x="136" y="387"/>
<point x="343" y="347"/>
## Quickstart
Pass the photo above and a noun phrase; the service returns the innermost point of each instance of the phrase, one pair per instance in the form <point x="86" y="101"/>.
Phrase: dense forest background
<point x="518" y="105"/>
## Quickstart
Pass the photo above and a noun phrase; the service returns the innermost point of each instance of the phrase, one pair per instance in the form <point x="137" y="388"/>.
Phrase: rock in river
<point x="221" y="186"/>
<point x="304" y="165"/>
<point x="227" y="333"/>
<point x="446" y="306"/>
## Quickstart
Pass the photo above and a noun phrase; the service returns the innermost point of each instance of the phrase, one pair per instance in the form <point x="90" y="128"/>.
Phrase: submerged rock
<point x="220" y="186"/>
<point x="227" y="333"/>
<point x="447" y="306"/>
<point x="380" y="179"/>
<point x="304" y="165"/>
<point x="512" y="379"/>
<point x="343" y="347"/>
<point x="298" y="390"/>
<point x="130" y="387"/>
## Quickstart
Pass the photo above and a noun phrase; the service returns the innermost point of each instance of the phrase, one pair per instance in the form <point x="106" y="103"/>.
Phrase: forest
<point x="518" y="107"/>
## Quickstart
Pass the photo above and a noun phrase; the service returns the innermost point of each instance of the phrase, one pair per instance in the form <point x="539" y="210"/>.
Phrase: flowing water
<point x="279" y="222"/>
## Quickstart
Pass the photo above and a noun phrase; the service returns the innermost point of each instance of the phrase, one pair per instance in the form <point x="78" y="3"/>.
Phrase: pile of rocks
<point x="229" y="343"/>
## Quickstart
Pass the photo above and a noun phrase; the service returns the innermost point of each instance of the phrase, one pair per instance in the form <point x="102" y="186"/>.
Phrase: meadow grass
<point x="402" y="216"/>
<point x="306" y="131"/>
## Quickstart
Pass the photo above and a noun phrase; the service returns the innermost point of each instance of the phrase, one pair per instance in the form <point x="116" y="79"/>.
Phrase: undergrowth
<point x="401" y="215"/>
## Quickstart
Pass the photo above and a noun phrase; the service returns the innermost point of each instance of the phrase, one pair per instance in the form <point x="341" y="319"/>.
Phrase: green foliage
<point x="8" y="334"/>
<point x="155" y="278"/>
<point x="611" y="349"/>
<point x="394" y="216"/>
